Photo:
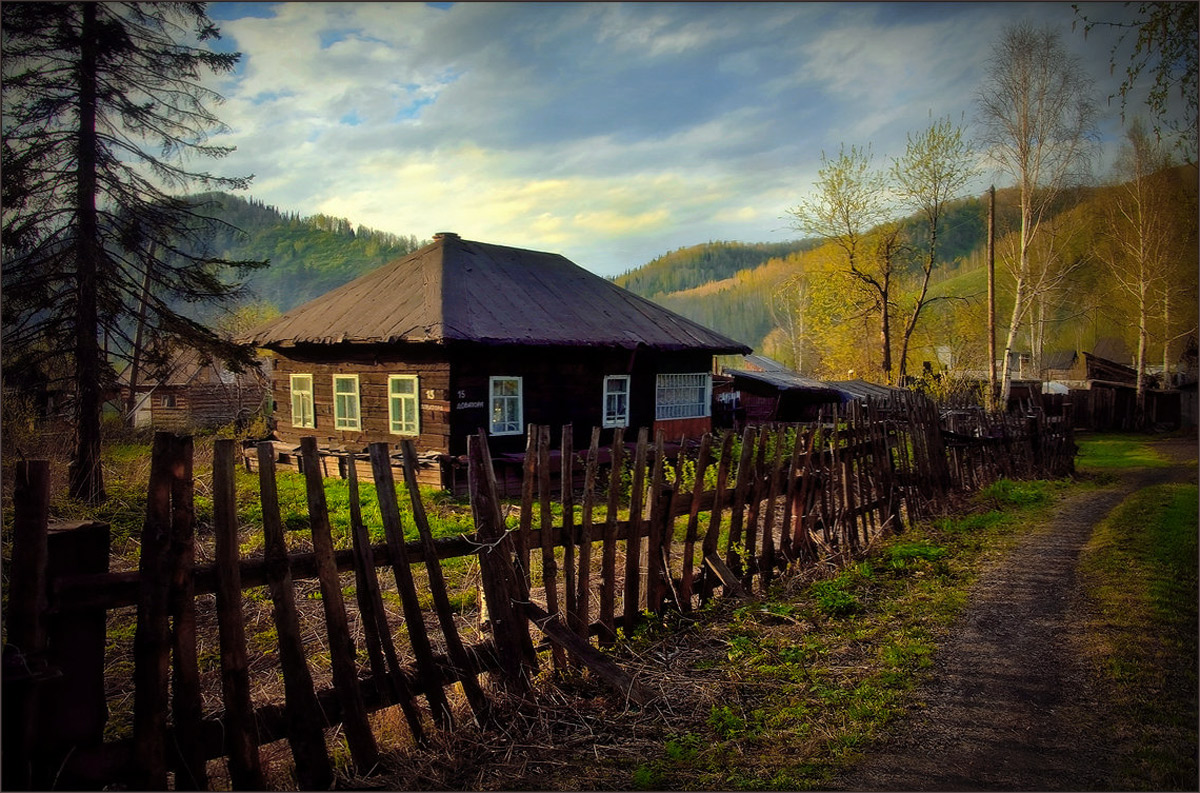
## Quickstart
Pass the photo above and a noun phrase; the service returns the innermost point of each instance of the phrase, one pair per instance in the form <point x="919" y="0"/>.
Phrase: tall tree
<point x="102" y="105"/>
<point x="849" y="210"/>
<point x="1139" y="238"/>
<point x="935" y="169"/>
<point x="1036" y="115"/>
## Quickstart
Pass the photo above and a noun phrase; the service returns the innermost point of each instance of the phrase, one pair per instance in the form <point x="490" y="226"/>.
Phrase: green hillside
<point x="696" y="265"/>
<point x="308" y="256"/>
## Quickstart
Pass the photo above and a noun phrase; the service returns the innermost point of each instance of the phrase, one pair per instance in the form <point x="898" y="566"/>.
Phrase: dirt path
<point x="1010" y="705"/>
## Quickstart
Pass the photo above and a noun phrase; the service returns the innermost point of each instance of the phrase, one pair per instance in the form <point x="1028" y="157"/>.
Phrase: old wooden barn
<point x="463" y="335"/>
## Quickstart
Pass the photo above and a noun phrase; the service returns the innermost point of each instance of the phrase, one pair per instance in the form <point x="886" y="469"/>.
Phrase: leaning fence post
<point x="359" y="737"/>
<point x="26" y="637"/>
<point x="305" y="722"/>
<point x="502" y="581"/>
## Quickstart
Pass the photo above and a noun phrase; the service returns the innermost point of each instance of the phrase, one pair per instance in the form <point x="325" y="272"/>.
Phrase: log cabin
<point x="461" y="335"/>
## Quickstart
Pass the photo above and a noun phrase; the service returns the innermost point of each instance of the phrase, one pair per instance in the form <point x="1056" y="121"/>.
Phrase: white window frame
<point x="509" y="427"/>
<point x="305" y="395"/>
<point x="615" y="419"/>
<point x="684" y="395"/>
<point x="341" y="420"/>
<point x="396" y="423"/>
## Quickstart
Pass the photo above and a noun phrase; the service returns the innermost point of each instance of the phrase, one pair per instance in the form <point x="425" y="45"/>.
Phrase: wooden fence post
<point x="190" y="767"/>
<point x="381" y="650"/>
<point x="305" y="723"/>
<point x="26" y="638"/>
<point x="608" y="559"/>
<point x="241" y="732"/>
<point x="341" y="647"/>
<point x="467" y="670"/>
<point x="633" y="541"/>
<point x="549" y="563"/>
<point x="151" y="641"/>
<point x="503" y="583"/>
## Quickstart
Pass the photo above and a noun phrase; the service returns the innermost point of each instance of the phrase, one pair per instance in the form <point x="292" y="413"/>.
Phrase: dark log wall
<point x="559" y="386"/>
<point x="373" y="366"/>
<point x="566" y="385"/>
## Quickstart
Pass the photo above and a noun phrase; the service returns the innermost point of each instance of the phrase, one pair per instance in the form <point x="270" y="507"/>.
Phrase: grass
<point x="1140" y="572"/>
<point x="1107" y="452"/>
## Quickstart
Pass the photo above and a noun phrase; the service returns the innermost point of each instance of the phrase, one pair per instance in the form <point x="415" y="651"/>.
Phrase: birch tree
<point x="1037" y="125"/>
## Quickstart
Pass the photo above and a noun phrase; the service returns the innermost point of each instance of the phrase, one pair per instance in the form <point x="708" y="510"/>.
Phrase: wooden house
<point x="189" y="392"/>
<point x="463" y="335"/>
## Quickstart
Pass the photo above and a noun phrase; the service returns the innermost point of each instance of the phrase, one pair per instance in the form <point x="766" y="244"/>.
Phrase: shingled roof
<point x="460" y="290"/>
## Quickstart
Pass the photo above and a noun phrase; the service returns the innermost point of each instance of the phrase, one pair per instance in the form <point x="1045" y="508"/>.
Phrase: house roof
<point x="461" y="290"/>
<point x="783" y="380"/>
<point x="185" y="367"/>
<point x="861" y="389"/>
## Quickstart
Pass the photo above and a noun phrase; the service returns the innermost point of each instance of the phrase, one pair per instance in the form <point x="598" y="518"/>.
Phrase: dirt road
<point x="1010" y="706"/>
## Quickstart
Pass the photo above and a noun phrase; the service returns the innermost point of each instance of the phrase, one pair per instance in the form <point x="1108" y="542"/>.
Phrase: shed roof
<point x="461" y="290"/>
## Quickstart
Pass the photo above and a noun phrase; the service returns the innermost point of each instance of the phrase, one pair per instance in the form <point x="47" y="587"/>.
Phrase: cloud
<point x="616" y="131"/>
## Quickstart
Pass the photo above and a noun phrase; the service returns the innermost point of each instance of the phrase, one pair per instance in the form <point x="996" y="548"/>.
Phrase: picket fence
<point x="723" y="517"/>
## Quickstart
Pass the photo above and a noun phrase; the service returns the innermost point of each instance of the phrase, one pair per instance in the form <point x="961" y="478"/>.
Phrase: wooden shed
<point x="462" y="335"/>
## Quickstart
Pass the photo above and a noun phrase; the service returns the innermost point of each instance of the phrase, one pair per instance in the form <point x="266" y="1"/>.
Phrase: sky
<point x="610" y="133"/>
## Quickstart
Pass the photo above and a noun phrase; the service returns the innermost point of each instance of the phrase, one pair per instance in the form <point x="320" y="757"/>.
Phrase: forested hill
<point x="728" y="286"/>
<point x="696" y="265"/>
<point x="308" y="255"/>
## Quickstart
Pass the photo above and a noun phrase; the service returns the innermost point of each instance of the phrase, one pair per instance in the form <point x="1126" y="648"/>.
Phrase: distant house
<point x="190" y="392"/>
<point x="766" y="390"/>
<point x="463" y="335"/>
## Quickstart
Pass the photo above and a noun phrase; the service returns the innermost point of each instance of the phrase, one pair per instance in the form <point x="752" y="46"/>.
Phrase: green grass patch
<point x="1140" y="572"/>
<point x="1116" y="451"/>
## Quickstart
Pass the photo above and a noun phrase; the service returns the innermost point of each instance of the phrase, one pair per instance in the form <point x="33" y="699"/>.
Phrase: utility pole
<point x="991" y="297"/>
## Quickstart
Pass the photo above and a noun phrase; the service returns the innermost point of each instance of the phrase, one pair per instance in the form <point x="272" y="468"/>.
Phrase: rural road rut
<point x="1009" y="705"/>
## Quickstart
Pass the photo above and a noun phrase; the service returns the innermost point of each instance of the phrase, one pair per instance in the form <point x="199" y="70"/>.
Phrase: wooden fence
<point x="645" y="535"/>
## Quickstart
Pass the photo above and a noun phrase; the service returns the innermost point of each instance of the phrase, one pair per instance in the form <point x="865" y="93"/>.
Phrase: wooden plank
<point x="366" y="585"/>
<point x="730" y="580"/>
<point x="608" y="559"/>
<point x="381" y="650"/>
<point x="549" y="563"/>
<point x="567" y="490"/>
<point x="657" y="566"/>
<point x="745" y="476"/>
<point x="151" y="641"/>
<point x="190" y="767"/>
<point x="305" y="723"/>
<point x="767" y="564"/>
<point x="414" y="619"/>
<point x="703" y="459"/>
<point x="593" y="659"/>
<point x="583" y="600"/>
<point x="803" y="546"/>
<point x="25" y="642"/>
<point x="441" y="600"/>
<point x="357" y="729"/>
<point x="712" y="534"/>
<point x="528" y="483"/>
<point x="754" y="507"/>
<point x="503" y="583"/>
<point x="245" y="767"/>
<point x="633" y="542"/>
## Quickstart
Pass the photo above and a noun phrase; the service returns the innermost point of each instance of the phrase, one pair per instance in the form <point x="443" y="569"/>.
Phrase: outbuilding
<point x="462" y="335"/>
